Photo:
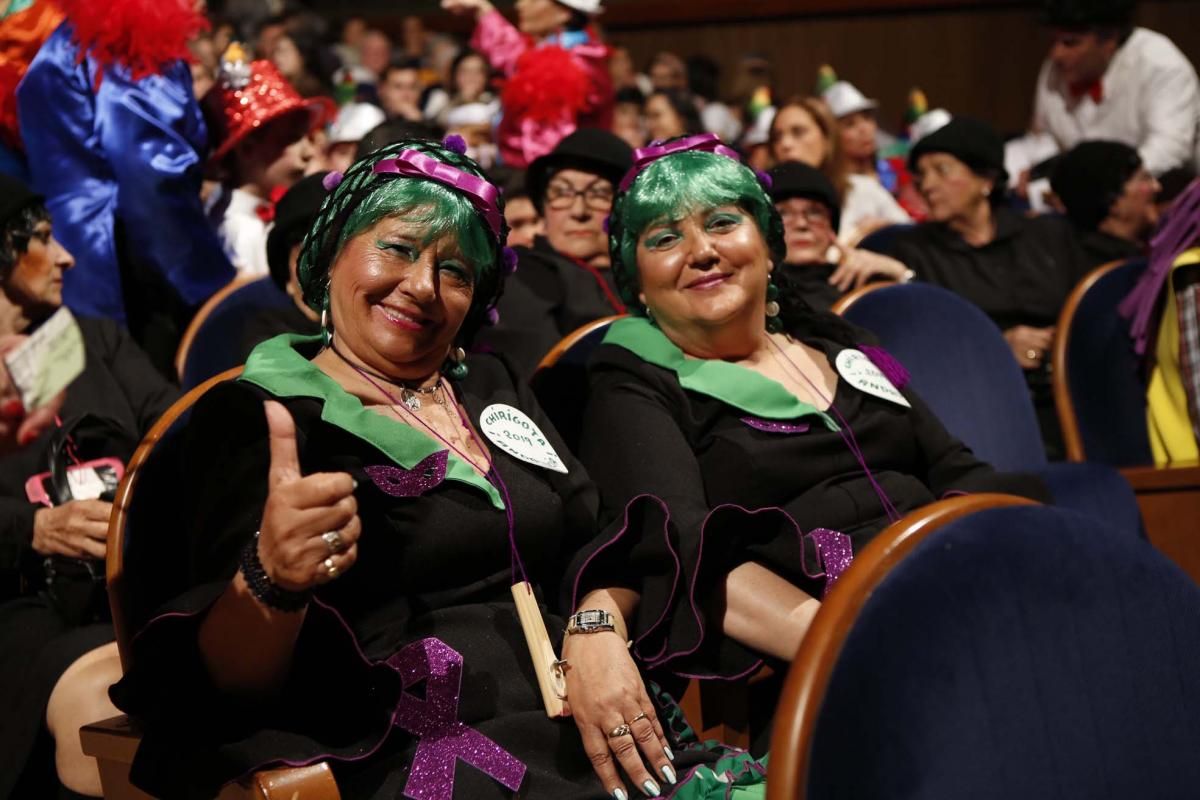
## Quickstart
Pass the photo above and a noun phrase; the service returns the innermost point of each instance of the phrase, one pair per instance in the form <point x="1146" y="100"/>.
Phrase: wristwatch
<point x="591" y="621"/>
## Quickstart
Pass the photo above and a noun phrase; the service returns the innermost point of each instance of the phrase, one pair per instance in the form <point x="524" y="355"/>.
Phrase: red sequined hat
<point x="248" y="95"/>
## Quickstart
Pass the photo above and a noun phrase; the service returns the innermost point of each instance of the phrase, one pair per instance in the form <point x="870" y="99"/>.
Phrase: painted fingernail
<point x="619" y="794"/>
<point x="13" y="409"/>
<point x="667" y="750"/>
<point x="668" y="773"/>
<point x="650" y="788"/>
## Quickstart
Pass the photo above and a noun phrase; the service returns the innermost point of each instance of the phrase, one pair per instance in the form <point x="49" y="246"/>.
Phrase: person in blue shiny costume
<point x="118" y="155"/>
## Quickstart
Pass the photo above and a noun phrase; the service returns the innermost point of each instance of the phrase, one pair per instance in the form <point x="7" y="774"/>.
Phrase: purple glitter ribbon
<point x="444" y="739"/>
<point x="482" y="194"/>
<point x="701" y="142"/>
<point x="771" y="426"/>
<point x="836" y="554"/>
<point x="425" y="474"/>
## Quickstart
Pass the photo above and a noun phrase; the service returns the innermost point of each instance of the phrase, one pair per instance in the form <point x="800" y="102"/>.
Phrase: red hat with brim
<point x="236" y="108"/>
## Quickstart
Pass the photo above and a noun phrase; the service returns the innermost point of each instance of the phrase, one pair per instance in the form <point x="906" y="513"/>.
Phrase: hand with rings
<point x="310" y="525"/>
<point x="616" y="720"/>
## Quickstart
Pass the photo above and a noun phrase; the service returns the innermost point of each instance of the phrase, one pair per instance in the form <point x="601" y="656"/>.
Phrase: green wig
<point x="673" y="187"/>
<point x="364" y="197"/>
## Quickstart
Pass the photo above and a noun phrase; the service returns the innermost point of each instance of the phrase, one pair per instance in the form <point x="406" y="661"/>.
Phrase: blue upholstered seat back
<point x="961" y="366"/>
<point x="562" y="389"/>
<point x="880" y="241"/>
<point x="1018" y="653"/>
<point x="218" y="343"/>
<point x="1107" y="389"/>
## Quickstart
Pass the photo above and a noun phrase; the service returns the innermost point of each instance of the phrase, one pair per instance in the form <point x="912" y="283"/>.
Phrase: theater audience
<point x="471" y="76"/>
<point x="1018" y="270"/>
<point x="704" y="81"/>
<point x="57" y="656"/>
<point x="400" y="90"/>
<point x="314" y="444"/>
<point x="1163" y="310"/>
<point x="563" y="281"/>
<point x="1110" y="199"/>
<point x="1104" y="78"/>
<point x="671" y="113"/>
<point x="375" y="52"/>
<point x="628" y="121"/>
<point x="557" y="74"/>
<point x="667" y="72"/>
<point x="353" y="122"/>
<point x="721" y="421"/>
<point x="816" y="267"/>
<point x="119" y="162"/>
<point x="264" y="147"/>
<point x="803" y="130"/>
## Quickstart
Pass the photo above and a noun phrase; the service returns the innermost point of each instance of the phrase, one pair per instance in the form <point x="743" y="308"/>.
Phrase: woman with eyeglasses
<point x="816" y="265"/>
<point x="563" y="281"/>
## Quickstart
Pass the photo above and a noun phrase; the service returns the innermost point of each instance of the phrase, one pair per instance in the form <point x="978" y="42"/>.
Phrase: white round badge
<point x="515" y="433"/>
<point x="861" y="373"/>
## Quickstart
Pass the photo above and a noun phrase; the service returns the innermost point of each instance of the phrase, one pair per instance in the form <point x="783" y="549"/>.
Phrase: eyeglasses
<point x="597" y="195"/>
<point x="814" y="215"/>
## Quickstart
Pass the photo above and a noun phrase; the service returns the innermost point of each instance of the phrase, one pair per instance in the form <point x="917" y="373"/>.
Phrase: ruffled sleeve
<point x="499" y="41"/>
<point x="665" y="540"/>
<point x="184" y="555"/>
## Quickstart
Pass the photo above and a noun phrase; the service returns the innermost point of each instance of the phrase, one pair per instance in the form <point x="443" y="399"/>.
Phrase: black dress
<point x="548" y="297"/>
<point x="810" y="281"/>
<point x="118" y="384"/>
<point x="1021" y="277"/>
<point x="429" y="596"/>
<point x="703" y="465"/>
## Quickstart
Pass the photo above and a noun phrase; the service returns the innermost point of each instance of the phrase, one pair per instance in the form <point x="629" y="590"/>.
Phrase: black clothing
<point x="270" y="322"/>
<point x="36" y="644"/>
<point x="1101" y="248"/>
<point x="547" y="297"/>
<point x="1090" y="177"/>
<point x="684" y="474"/>
<point x="433" y="569"/>
<point x="1021" y="277"/>
<point x="810" y="281"/>
<point x="794" y="179"/>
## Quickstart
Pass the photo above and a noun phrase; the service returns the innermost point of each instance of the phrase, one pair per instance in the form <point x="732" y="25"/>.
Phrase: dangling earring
<point x="326" y="328"/>
<point x="457" y="368"/>
<point x="774" y="323"/>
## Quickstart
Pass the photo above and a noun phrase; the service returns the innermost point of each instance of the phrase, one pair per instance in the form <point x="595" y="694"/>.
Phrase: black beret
<point x="794" y="179"/>
<point x="1090" y="177"/>
<point x="588" y="150"/>
<point x="294" y="215"/>
<point x="971" y="141"/>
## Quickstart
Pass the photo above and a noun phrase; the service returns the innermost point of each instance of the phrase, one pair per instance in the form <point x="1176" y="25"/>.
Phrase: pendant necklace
<point x="409" y="395"/>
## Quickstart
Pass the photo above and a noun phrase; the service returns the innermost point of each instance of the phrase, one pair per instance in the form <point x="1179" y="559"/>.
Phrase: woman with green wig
<point x="377" y="527"/>
<point x="745" y="445"/>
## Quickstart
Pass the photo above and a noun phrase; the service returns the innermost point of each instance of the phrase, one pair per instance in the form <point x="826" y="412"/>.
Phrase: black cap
<point x="971" y="141"/>
<point x="587" y="150"/>
<point x="14" y="196"/>
<point x="794" y="179"/>
<point x="1083" y="14"/>
<point x="1090" y="177"/>
<point x="294" y="215"/>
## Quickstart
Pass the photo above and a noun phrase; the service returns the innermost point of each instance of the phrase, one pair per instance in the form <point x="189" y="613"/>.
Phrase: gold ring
<point x="638" y="717"/>
<point x="1031" y="354"/>
<point x="330" y="567"/>
<point x="619" y="731"/>
<point x="333" y="540"/>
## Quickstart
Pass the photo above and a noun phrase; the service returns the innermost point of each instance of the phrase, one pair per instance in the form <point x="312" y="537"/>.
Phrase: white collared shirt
<point x="1150" y="100"/>
<point x="244" y="234"/>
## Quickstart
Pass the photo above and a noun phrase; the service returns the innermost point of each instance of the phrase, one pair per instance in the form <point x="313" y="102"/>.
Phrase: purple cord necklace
<point x="851" y="441"/>
<point x="492" y="475"/>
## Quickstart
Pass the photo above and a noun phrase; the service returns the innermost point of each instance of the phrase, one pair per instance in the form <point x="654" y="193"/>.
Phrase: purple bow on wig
<point x="702" y="142"/>
<point x="483" y="195"/>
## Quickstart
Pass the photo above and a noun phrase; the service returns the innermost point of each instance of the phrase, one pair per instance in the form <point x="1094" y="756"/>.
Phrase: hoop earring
<point x="774" y="323"/>
<point x="457" y="368"/>
<point x="326" y="328"/>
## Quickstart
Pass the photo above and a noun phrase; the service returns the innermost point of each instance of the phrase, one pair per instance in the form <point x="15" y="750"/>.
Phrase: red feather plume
<point x="547" y="85"/>
<point x="142" y="35"/>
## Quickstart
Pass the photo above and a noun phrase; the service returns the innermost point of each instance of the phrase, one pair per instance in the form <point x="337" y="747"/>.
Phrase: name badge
<point x="861" y="373"/>
<point x="515" y="433"/>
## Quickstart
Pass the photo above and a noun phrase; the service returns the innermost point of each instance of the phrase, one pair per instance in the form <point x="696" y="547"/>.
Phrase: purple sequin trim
<point x="771" y="426"/>
<point x="397" y="482"/>
<point x="836" y="553"/>
<point x="332" y="180"/>
<point x="443" y="739"/>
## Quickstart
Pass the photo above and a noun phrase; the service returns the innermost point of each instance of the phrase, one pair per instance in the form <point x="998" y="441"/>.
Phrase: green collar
<point x="730" y="383"/>
<point x="277" y="366"/>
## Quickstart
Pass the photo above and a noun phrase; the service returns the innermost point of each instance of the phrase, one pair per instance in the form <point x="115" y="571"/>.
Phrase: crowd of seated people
<point x="379" y="500"/>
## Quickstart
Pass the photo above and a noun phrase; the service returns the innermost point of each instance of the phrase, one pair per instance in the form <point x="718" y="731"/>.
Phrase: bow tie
<point x="266" y="210"/>
<point x="1094" y="89"/>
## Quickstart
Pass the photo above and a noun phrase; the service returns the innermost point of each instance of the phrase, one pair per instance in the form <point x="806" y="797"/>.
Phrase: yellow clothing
<point x="1171" y="436"/>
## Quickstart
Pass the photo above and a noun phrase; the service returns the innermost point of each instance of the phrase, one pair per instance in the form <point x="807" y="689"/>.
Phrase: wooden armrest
<point x="1175" y="477"/>
<point x="112" y="742"/>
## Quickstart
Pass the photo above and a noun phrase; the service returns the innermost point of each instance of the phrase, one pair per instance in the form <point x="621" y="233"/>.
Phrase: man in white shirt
<point x="1105" y="79"/>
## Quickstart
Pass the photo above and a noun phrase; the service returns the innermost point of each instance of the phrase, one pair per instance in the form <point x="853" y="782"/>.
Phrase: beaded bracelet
<point x="269" y="593"/>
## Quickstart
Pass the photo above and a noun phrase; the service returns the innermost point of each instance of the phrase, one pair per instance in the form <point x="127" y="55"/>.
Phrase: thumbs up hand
<point x="310" y="524"/>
